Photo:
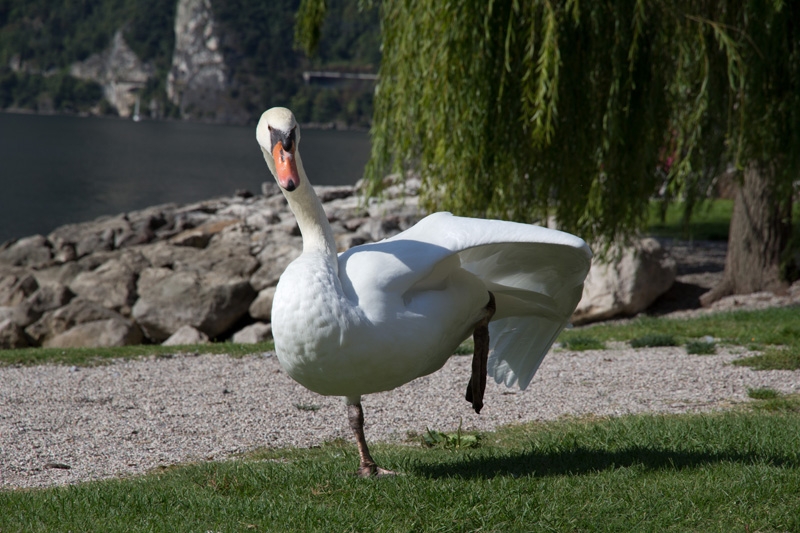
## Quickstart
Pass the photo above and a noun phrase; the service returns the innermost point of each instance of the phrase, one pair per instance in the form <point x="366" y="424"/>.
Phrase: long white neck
<point x="311" y="218"/>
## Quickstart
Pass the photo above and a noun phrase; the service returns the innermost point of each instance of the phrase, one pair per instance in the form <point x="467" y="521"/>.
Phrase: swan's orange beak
<point x="286" y="167"/>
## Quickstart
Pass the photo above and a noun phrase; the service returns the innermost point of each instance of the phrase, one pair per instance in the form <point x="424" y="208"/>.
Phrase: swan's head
<point x="278" y="134"/>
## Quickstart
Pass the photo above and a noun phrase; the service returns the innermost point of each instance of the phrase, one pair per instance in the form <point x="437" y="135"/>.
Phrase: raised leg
<point x="367" y="468"/>
<point x="480" y="357"/>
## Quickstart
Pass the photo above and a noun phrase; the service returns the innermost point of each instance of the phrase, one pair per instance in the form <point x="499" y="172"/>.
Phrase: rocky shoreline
<point x="170" y="273"/>
<point x="206" y="271"/>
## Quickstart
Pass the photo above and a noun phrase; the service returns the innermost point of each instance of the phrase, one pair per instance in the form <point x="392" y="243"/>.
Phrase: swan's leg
<point x="480" y="357"/>
<point x="355" y="415"/>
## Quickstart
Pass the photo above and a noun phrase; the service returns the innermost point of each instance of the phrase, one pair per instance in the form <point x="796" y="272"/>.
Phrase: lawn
<point x="737" y="470"/>
<point x="775" y="332"/>
<point x="710" y="221"/>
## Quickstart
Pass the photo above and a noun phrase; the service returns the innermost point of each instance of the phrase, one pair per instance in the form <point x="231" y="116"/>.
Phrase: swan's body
<point x="380" y="315"/>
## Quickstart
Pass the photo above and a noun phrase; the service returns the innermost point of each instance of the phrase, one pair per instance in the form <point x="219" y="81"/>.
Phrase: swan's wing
<point x="535" y="273"/>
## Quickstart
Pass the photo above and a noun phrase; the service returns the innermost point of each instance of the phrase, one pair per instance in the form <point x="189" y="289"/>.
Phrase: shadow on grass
<point x="586" y="461"/>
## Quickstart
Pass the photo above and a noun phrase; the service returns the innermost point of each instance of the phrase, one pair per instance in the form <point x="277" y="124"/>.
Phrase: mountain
<point x="212" y="60"/>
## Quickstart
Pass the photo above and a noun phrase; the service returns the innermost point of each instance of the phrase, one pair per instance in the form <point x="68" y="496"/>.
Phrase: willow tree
<point x="579" y="112"/>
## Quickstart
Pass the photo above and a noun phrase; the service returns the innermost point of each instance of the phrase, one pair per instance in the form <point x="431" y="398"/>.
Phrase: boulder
<point x="16" y="314"/>
<point x="261" y="308"/>
<point x="274" y="258"/>
<point x="46" y="298"/>
<point x="254" y="333"/>
<point x="112" y="284"/>
<point x="12" y="335"/>
<point x="200" y="236"/>
<point x="627" y="283"/>
<point x="34" y="251"/>
<point x="89" y="237"/>
<point x="208" y="302"/>
<point x="49" y="297"/>
<point x="164" y="255"/>
<point x="224" y="259"/>
<point x="186" y="335"/>
<point x="16" y="285"/>
<point x="62" y="274"/>
<point x="77" y="311"/>
<point x="116" y="331"/>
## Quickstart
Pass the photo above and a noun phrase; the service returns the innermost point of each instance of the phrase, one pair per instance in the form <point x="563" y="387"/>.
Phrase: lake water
<point x="56" y="170"/>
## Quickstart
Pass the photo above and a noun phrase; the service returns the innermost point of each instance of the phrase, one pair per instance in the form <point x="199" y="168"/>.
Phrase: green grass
<point x="763" y="394"/>
<point x="776" y="326"/>
<point x="580" y="343"/>
<point x="653" y="340"/>
<point x="96" y="356"/>
<point x="737" y="471"/>
<point x="710" y="221"/>
<point x="701" y="347"/>
<point x="773" y="359"/>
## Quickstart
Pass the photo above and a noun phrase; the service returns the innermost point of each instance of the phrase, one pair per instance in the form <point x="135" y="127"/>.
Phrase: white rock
<point x="258" y="332"/>
<point x="186" y="335"/>
<point x="261" y="308"/>
<point x="109" y="332"/>
<point x="628" y="284"/>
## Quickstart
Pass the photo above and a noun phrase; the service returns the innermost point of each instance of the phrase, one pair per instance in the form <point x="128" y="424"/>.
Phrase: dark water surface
<point x="56" y="170"/>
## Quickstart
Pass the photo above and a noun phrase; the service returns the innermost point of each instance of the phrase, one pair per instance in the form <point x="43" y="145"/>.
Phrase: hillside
<point x="213" y="60"/>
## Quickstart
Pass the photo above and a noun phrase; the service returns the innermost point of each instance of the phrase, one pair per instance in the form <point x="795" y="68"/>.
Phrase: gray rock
<point x="34" y="251"/>
<point x="199" y="237"/>
<point x="77" y="311"/>
<point x="224" y="259"/>
<point x="328" y="193"/>
<point x="12" y="335"/>
<point x="60" y="274"/>
<point x="628" y="284"/>
<point x="164" y="255"/>
<point x="49" y="297"/>
<point x="186" y="335"/>
<point x="46" y="298"/>
<point x="347" y="240"/>
<point x="253" y="334"/>
<point x="274" y="258"/>
<point x="22" y="315"/>
<point x="115" y="331"/>
<point x="112" y="284"/>
<point x="208" y="302"/>
<point x="261" y="308"/>
<point x="90" y="237"/>
<point x="16" y="285"/>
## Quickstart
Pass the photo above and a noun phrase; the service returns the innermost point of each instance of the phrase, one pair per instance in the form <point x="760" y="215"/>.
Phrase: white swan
<point x="380" y="315"/>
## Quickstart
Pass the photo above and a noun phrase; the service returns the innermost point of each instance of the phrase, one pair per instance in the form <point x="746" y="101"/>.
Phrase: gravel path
<point x="62" y="425"/>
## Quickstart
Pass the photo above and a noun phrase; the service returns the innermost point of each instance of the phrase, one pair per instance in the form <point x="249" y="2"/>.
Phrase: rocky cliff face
<point x="198" y="80"/>
<point x="121" y="73"/>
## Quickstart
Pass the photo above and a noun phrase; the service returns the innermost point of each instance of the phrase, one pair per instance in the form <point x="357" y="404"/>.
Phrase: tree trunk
<point x="759" y="233"/>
